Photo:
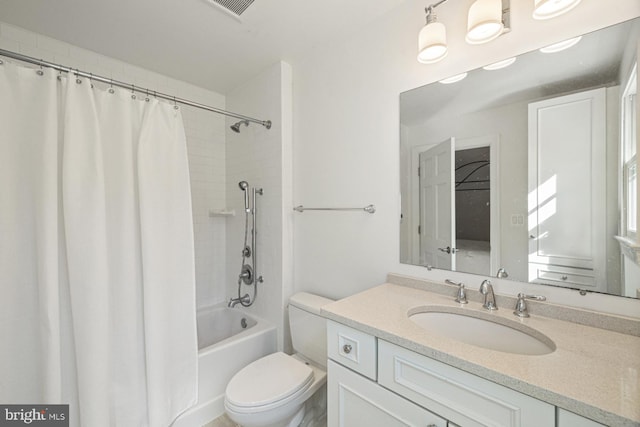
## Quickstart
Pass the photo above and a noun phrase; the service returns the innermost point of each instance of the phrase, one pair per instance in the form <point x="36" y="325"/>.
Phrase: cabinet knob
<point x="346" y="348"/>
<point x="564" y="277"/>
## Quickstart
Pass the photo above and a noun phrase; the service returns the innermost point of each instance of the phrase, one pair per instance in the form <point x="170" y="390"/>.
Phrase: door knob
<point x="448" y="250"/>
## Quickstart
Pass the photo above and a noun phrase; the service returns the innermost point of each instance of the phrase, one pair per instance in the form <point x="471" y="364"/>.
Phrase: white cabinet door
<point x="569" y="419"/>
<point x="567" y="178"/>
<point x="355" y="401"/>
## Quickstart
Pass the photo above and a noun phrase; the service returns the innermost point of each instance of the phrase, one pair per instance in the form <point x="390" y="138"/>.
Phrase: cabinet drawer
<point x="559" y="275"/>
<point x="351" y="348"/>
<point x="569" y="419"/>
<point x="462" y="398"/>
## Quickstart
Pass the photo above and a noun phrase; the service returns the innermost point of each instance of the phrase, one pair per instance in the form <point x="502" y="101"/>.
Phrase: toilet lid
<point x="267" y="380"/>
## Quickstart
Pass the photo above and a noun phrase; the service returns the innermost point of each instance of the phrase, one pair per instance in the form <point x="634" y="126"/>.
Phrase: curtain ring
<point x="1" y="62"/>
<point x="175" y="104"/>
<point x="133" y="95"/>
<point x="147" y="97"/>
<point x="91" y="79"/>
<point x="78" y="76"/>
<point x="40" y="72"/>
<point x="111" y="90"/>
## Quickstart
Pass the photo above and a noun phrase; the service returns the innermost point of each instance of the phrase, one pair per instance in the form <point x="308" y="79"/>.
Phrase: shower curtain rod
<point x="112" y="82"/>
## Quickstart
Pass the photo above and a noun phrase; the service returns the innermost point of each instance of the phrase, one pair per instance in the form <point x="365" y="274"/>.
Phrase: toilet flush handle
<point x="346" y="348"/>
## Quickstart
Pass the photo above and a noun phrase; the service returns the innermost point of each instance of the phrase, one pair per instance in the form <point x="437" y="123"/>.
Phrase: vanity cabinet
<point x="409" y="389"/>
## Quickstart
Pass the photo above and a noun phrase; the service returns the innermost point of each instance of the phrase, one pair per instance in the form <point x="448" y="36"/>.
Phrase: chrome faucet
<point x="486" y="289"/>
<point x="235" y="301"/>
<point x="502" y="273"/>
<point x="521" y="304"/>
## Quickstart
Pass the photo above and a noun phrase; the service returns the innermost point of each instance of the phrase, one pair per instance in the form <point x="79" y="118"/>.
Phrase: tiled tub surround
<point x="593" y="372"/>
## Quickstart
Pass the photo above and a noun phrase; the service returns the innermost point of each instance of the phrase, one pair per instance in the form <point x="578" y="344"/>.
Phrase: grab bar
<point x="369" y="209"/>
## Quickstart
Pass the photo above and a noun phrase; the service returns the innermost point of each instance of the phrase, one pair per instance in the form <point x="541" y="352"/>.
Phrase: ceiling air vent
<point x="237" y="7"/>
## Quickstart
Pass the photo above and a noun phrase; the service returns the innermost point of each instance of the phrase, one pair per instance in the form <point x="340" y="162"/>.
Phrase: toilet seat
<point x="267" y="383"/>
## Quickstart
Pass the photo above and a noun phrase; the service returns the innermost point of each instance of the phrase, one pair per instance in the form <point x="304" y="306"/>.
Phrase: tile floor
<point x="222" y="421"/>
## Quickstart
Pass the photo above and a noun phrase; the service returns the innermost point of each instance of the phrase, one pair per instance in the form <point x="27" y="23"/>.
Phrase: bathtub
<point x="228" y="340"/>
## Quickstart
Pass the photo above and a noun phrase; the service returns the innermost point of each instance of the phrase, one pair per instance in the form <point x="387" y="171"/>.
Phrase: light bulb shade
<point x="432" y="43"/>
<point x="546" y="9"/>
<point x="484" y="21"/>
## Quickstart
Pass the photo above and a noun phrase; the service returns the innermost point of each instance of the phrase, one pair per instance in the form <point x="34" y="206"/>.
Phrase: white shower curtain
<point x="97" y="302"/>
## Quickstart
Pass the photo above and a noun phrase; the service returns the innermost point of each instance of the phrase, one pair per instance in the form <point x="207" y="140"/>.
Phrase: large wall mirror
<point x="527" y="168"/>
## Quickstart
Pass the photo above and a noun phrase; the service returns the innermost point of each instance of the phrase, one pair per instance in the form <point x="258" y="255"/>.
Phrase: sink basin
<point x="483" y="330"/>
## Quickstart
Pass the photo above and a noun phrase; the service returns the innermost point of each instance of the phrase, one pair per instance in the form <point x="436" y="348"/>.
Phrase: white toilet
<point x="272" y="391"/>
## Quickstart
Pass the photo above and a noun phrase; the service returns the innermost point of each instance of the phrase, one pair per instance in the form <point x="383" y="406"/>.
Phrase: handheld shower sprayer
<point x="244" y="186"/>
<point x="249" y="268"/>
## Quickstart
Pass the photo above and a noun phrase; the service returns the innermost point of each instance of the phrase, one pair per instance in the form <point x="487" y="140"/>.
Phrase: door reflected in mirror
<point x="525" y="172"/>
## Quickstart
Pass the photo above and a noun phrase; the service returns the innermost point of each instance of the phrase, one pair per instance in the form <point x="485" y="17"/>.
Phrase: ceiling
<point x="195" y="40"/>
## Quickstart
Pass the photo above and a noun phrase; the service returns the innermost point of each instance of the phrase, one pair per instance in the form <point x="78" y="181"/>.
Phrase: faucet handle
<point x="521" y="305"/>
<point x="461" y="295"/>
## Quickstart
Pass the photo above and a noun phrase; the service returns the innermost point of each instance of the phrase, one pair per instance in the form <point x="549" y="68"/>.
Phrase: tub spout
<point x="235" y="301"/>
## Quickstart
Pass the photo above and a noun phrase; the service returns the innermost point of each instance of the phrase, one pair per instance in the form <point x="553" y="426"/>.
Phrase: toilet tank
<point x="308" y="327"/>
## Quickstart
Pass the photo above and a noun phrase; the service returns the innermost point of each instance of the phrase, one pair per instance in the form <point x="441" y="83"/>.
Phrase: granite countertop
<point x="592" y="372"/>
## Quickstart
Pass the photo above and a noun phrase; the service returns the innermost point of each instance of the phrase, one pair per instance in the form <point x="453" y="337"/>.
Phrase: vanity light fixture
<point x="560" y="46"/>
<point x="432" y="40"/>
<point x="500" y="64"/>
<point x="546" y="9"/>
<point x="485" y="21"/>
<point x="453" y="79"/>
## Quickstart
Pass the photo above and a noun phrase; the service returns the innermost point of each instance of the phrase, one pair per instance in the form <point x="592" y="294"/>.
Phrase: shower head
<point x="244" y="185"/>
<point x="236" y="127"/>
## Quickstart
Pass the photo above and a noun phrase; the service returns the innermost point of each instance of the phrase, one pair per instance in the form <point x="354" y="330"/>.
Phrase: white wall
<point x="346" y="134"/>
<point x="205" y="143"/>
<point x="263" y="158"/>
